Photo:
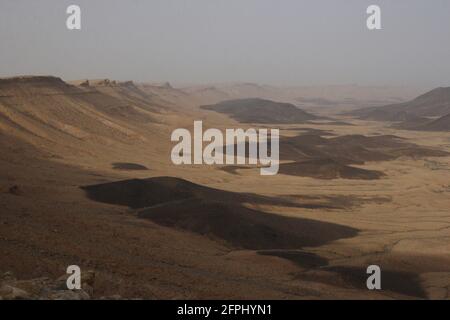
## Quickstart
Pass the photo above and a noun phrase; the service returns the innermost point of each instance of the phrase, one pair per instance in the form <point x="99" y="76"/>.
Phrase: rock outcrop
<point x="45" y="288"/>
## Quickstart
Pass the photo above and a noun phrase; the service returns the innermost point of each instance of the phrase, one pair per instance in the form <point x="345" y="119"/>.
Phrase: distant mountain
<point x="431" y="104"/>
<point x="336" y="96"/>
<point x="207" y="94"/>
<point x="166" y="92"/>
<point x="255" y="110"/>
<point x="418" y="114"/>
<point x="441" y="124"/>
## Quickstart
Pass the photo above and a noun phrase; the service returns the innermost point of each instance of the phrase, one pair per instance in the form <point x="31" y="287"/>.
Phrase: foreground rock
<point x="44" y="288"/>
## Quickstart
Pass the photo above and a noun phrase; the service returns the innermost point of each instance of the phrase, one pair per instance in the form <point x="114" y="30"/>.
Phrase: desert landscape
<point x="86" y="179"/>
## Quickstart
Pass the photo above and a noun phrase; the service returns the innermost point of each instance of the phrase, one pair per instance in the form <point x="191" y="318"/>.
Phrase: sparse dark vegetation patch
<point x="128" y="166"/>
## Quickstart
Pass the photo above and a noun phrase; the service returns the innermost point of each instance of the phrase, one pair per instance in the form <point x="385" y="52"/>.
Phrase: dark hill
<point x="217" y="214"/>
<point x="435" y="103"/>
<point x="327" y="169"/>
<point x="441" y="124"/>
<point x="245" y="228"/>
<point x="256" y="110"/>
<point x="142" y="193"/>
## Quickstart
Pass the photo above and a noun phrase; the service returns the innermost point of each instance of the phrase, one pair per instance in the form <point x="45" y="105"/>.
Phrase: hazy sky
<point x="282" y="42"/>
